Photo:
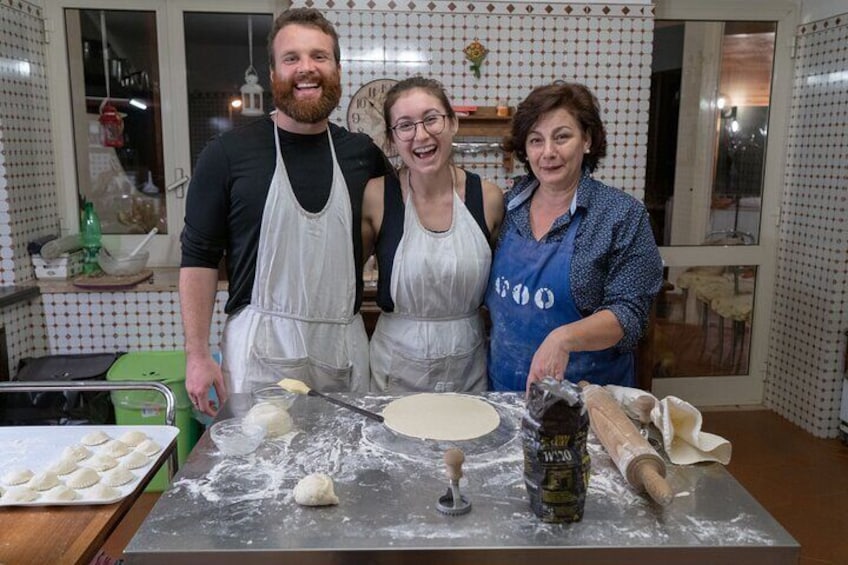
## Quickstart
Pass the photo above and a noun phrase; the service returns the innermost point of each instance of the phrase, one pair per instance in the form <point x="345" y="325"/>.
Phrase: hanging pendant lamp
<point x="251" y="90"/>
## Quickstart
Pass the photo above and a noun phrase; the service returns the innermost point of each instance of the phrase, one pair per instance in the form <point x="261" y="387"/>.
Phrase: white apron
<point x="300" y="322"/>
<point x="434" y="339"/>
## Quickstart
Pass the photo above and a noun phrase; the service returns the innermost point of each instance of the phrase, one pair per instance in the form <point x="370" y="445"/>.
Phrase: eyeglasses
<point x="434" y="124"/>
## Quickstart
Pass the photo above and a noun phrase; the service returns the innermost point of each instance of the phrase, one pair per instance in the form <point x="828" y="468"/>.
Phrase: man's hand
<point x="201" y="374"/>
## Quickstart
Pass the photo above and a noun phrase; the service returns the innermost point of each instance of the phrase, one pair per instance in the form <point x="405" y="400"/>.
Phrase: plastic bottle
<point x="90" y="235"/>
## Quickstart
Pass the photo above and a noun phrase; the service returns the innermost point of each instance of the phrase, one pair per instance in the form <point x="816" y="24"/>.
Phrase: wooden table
<point x="59" y="535"/>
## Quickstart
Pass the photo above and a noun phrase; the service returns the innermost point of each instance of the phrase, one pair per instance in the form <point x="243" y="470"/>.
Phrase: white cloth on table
<point x="679" y="424"/>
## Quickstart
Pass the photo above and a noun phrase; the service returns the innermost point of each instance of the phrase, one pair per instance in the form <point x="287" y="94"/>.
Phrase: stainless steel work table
<point x="241" y="510"/>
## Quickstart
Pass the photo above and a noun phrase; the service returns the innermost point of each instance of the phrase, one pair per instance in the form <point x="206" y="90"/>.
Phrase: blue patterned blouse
<point x="616" y="264"/>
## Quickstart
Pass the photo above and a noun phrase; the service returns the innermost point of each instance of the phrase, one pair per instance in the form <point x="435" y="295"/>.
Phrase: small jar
<point x="502" y="109"/>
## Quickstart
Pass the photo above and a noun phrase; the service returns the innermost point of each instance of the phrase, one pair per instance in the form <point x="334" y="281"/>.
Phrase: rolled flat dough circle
<point x="441" y="416"/>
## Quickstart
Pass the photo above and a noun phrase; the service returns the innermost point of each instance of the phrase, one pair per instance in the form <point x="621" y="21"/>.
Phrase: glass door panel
<point x="217" y="60"/>
<point x="116" y="111"/>
<point x="714" y="79"/>
<point x="718" y="105"/>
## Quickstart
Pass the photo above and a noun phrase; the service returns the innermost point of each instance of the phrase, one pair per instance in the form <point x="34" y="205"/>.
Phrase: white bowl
<point x="236" y="437"/>
<point x="122" y="264"/>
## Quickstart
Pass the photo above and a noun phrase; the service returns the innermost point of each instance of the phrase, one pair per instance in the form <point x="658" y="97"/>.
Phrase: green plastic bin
<point x="148" y="407"/>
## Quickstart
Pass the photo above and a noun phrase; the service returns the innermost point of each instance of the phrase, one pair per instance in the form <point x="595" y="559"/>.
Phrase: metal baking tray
<point x="38" y="447"/>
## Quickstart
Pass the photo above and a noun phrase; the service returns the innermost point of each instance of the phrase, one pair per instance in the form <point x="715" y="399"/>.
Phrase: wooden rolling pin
<point x="643" y="468"/>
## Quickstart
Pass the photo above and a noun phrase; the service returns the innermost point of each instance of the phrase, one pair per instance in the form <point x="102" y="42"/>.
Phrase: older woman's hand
<point x="551" y="359"/>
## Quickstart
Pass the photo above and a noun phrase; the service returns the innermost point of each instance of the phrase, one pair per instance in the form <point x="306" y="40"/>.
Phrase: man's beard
<point x="307" y="111"/>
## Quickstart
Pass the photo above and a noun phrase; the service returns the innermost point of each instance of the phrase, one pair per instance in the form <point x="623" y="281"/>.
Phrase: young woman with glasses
<point x="432" y="225"/>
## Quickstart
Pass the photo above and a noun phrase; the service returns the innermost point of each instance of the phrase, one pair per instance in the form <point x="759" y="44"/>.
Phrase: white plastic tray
<point x="38" y="447"/>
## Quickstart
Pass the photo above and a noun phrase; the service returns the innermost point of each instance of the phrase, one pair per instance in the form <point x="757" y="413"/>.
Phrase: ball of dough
<point x="17" y="477"/>
<point x="60" y="494"/>
<point x="134" y="437"/>
<point x="64" y="466"/>
<point x="101" y="462"/>
<point x="82" y="478"/>
<point x="315" y="490"/>
<point x="18" y="495"/>
<point x="273" y="418"/>
<point x="95" y="438"/>
<point x="115" y="448"/>
<point x="149" y="447"/>
<point x="76" y="452"/>
<point x="43" y="481"/>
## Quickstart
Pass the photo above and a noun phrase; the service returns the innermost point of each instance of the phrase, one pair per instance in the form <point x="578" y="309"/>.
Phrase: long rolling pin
<point x="640" y="464"/>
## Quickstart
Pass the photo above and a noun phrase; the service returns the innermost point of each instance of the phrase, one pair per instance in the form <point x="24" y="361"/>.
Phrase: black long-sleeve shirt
<point x="230" y="183"/>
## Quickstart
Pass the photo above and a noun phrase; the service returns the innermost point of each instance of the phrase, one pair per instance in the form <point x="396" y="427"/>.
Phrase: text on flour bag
<point x="556" y="461"/>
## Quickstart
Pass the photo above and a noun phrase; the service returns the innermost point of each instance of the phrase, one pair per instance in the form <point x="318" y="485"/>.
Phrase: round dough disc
<point x="441" y="416"/>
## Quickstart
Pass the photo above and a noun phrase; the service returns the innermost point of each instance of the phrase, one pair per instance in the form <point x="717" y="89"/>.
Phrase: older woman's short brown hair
<point x="573" y="97"/>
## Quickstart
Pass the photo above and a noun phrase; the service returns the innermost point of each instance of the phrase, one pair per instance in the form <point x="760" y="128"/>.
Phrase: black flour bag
<point x="556" y="461"/>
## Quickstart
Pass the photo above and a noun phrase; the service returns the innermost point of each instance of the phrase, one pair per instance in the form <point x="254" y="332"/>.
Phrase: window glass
<point x="708" y="130"/>
<point x="218" y="59"/>
<point x="702" y="323"/>
<point x="117" y="119"/>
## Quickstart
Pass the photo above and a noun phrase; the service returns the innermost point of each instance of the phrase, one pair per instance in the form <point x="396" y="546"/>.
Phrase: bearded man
<point x="282" y="199"/>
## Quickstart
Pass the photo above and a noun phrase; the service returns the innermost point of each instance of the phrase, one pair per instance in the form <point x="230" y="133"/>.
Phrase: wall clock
<point x="365" y="112"/>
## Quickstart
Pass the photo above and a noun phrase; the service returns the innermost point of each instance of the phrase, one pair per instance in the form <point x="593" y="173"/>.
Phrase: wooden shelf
<point x="485" y="122"/>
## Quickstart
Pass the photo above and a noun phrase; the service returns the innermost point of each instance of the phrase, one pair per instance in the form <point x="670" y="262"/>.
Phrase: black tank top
<point x="391" y="230"/>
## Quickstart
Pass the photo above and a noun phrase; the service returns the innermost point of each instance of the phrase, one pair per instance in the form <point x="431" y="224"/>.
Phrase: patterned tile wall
<point x="807" y="341"/>
<point x="25" y="336"/>
<point x="609" y="50"/>
<point x="27" y="193"/>
<point x="93" y="322"/>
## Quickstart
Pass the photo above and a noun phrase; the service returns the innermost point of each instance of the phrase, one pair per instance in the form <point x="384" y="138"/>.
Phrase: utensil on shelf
<point x="300" y="387"/>
<point x="144" y="242"/>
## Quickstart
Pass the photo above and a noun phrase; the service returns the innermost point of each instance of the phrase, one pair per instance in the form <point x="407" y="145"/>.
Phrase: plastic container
<point x="91" y="238"/>
<point x="236" y="437"/>
<point x="148" y="407"/>
<point x="122" y="264"/>
<point x="65" y="266"/>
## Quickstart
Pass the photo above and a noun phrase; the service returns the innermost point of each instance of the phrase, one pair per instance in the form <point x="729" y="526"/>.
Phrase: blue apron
<point x="529" y="295"/>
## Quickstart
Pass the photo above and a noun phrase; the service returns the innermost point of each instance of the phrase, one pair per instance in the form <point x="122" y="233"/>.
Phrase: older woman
<point x="432" y="224"/>
<point x="576" y="268"/>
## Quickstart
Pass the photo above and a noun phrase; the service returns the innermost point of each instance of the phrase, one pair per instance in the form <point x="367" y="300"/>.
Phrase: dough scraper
<point x="300" y="387"/>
